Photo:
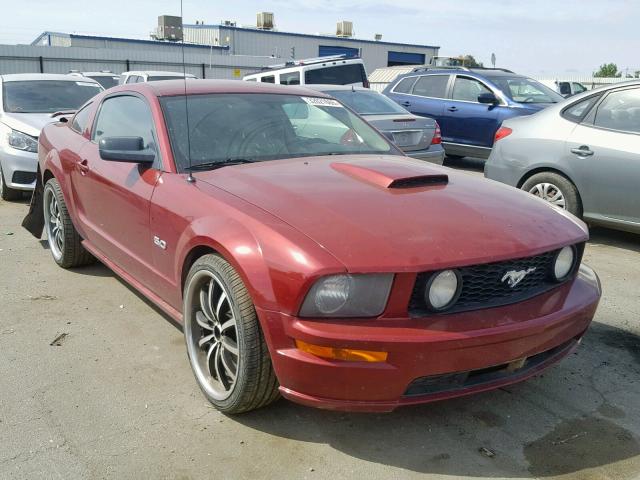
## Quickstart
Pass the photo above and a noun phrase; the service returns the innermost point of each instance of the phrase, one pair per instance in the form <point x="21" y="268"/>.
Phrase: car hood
<point x="368" y="212"/>
<point x="29" y="123"/>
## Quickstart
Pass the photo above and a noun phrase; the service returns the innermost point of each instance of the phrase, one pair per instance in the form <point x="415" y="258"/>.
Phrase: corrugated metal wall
<point x="30" y="59"/>
<point x="279" y="44"/>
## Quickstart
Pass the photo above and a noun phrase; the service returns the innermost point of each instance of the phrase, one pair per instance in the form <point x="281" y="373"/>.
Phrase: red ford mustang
<point x="305" y="254"/>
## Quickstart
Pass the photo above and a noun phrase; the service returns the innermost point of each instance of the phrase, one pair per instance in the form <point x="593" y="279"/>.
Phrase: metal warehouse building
<point x="211" y="51"/>
<point x="264" y="40"/>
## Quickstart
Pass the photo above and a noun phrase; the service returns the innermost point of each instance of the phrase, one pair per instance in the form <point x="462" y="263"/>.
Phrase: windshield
<point x="261" y="127"/>
<point x="367" y="102"/>
<point x="105" y="81"/>
<point x="526" y="90"/>
<point x="46" y="96"/>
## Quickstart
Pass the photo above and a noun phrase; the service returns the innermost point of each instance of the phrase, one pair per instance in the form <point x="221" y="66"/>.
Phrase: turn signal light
<point x="346" y="354"/>
<point x="501" y="133"/>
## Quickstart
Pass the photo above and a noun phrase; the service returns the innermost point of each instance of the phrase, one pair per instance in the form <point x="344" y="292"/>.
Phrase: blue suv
<point x="469" y="104"/>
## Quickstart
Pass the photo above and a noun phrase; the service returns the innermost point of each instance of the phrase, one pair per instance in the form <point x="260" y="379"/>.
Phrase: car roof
<point x="168" y="88"/>
<point x="327" y="87"/>
<point x="21" y="77"/>
<point x="156" y="73"/>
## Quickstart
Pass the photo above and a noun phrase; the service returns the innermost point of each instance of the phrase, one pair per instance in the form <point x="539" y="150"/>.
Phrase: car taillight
<point x="437" y="136"/>
<point x="501" y="133"/>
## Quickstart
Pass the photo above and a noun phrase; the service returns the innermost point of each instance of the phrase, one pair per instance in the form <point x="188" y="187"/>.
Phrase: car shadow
<point x="569" y="420"/>
<point x="615" y="238"/>
<point x="466" y="163"/>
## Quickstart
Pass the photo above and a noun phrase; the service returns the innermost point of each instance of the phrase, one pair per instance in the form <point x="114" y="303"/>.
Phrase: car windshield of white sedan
<point x="526" y="90"/>
<point x="46" y="96"/>
<point x="366" y="102"/>
<point x="223" y="128"/>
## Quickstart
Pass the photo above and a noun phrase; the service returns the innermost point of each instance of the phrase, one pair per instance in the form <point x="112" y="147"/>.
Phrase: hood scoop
<point x="396" y="176"/>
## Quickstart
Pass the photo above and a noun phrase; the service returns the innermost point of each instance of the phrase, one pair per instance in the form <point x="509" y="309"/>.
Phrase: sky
<point x="541" y="37"/>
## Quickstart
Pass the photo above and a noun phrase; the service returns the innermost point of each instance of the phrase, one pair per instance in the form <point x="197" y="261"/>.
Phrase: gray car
<point x="418" y="137"/>
<point x="582" y="155"/>
<point x="26" y="105"/>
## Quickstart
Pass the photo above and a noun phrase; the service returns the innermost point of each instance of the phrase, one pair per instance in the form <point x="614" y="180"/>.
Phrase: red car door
<point x="113" y="197"/>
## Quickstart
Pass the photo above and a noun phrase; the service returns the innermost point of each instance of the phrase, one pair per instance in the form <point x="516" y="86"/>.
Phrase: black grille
<point x="24" y="178"/>
<point x="483" y="285"/>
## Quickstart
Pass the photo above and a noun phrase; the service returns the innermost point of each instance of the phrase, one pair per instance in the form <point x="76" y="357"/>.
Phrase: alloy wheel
<point x="53" y="223"/>
<point x="550" y="193"/>
<point x="211" y="334"/>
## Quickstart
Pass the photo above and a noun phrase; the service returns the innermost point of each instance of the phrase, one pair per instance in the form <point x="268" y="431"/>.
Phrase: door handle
<point x="453" y="109"/>
<point x="83" y="166"/>
<point x="582" y="151"/>
<point x="406" y="104"/>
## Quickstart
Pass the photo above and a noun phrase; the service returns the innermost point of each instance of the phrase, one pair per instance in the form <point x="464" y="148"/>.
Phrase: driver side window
<point x="468" y="89"/>
<point x="125" y="116"/>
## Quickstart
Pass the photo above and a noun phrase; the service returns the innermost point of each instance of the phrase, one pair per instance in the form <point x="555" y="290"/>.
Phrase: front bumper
<point x="431" y="358"/>
<point x="434" y="154"/>
<point x="19" y="168"/>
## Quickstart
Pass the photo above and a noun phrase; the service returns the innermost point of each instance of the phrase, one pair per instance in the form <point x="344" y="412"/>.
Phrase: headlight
<point x="564" y="263"/>
<point x="344" y="295"/>
<point x="22" y="141"/>
<point x="442" y="290"/>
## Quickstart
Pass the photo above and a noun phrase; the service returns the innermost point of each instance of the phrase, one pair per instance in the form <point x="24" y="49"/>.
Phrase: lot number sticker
<point x="322" y="102"/>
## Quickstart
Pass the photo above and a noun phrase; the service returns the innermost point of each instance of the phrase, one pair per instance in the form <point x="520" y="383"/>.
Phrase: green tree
<point x="608" y="70"/>
<point x="470" y="61"/>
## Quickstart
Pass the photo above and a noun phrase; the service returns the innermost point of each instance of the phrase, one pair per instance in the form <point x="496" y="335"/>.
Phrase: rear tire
<point x="7" y="193"/>
<point x="64" y="241"/>
<point x="555" y="189"/>
<point x="225" y="344"/>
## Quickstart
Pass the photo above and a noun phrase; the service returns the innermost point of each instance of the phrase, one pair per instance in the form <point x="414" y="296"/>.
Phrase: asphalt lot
<point x="117" y="399"/>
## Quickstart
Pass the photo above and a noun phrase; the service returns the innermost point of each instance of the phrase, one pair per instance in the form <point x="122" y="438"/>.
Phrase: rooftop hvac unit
<point x="378" y="37"/>
<point x="228" y="23"/>
<point x="344" y="29"/>
<point x="169" y="28"/>
<point x="265" y="21"/>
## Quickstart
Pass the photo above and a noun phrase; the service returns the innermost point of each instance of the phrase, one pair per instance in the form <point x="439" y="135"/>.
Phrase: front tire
<point x="7" y="193"/>
<point x="64" y="241"/>
<point x="555" y="189"/>
<point x="225" y="345"/>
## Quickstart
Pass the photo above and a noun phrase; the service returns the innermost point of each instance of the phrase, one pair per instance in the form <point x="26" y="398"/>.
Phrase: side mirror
<point x="488" y="98"/>
<point x="125" y="149"/>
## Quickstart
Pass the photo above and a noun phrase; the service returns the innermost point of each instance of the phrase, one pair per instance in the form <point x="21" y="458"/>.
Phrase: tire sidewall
<point x="566" y="187"/>
<point x="212" y="264"/>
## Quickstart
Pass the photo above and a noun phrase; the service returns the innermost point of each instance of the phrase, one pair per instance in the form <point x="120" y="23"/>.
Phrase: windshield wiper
<point x="219" y="164"/>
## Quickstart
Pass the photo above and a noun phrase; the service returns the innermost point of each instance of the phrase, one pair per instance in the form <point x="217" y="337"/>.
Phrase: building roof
<point x="323" y="37"/>
<point x="38" y="40"/>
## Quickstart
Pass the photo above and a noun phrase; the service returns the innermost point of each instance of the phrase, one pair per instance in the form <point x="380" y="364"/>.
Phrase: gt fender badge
<point x="159" y="243"/>
<point x="514" y="277"/>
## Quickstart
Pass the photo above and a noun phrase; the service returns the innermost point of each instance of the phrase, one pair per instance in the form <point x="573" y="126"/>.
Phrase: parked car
<point x="469" y="104"/>
<point x="582" y="155"/>
<point x="342" y="275"/>
<point x="105" y="78"/>
<point x="333" y="70"/>
<point x="566" y="89"/>
<point x="418" y="137"/>
<point x="151" y="76"/>
<point x="27" y="102"/>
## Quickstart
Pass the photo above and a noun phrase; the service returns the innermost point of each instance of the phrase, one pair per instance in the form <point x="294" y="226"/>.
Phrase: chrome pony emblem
<point x="514" y="277"/>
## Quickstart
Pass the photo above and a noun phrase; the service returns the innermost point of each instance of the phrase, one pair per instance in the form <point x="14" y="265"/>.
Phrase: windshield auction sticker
<point x="322" y="102"/>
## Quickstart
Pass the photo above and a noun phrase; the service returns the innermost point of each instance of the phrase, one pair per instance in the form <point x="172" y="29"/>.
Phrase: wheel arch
<point x="544" y="169"/>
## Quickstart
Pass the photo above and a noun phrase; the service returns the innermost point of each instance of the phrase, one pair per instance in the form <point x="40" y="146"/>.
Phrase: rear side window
<point x="268" y="79"/>
<point x="565" y="88"/>
<point x="291" y="78"/>
<point x="620" y="111"/>
<point x="79" y="123"/>
<point x="578" y="111"/>
<point x="434" y="86"/>
<point x="405" y="85"/>
<point x="338" y="75"/>
<point x="578" y="88"/>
